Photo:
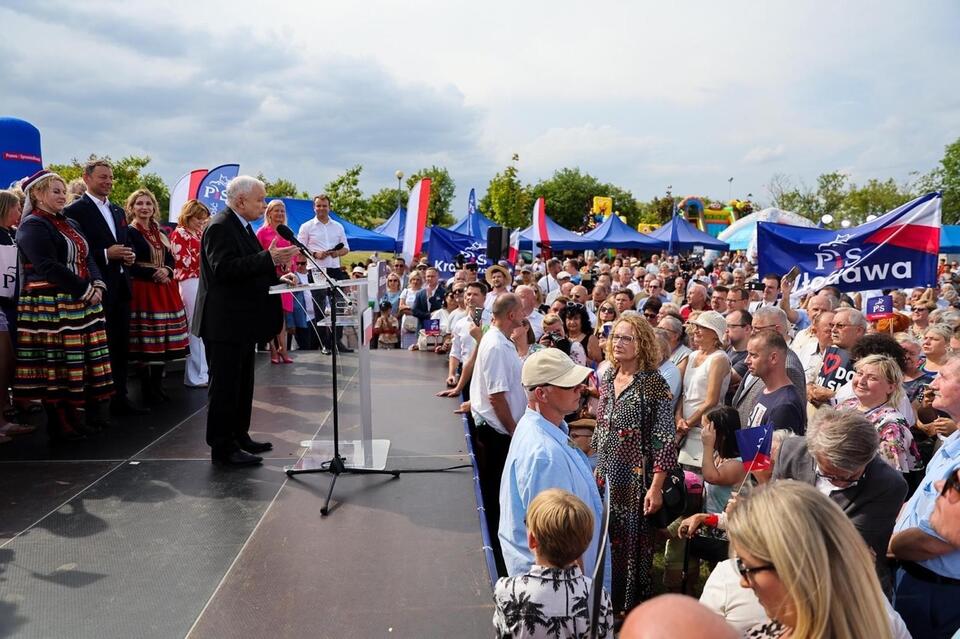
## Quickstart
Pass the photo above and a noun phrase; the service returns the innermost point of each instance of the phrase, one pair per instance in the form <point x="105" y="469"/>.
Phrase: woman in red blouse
<point x="158" y="324"/>
<point x="185" y="246"/>
<point x="277" y="214"/>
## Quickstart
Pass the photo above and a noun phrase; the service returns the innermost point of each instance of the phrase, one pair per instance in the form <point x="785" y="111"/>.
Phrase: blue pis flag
<point x="472" y="202"/>
<point x="212" y="190"/>
<point x="897" y="250"/>
<point x="878" y="308"/>
<point x="754" y="446"/>
<point x="446" y="246"/>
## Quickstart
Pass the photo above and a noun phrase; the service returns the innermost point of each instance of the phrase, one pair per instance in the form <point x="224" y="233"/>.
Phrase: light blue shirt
<point x="543" y="456"/>
<point x="803" y="320"/>
<point x="917" y="511"/>
<point x="674" y="378"/>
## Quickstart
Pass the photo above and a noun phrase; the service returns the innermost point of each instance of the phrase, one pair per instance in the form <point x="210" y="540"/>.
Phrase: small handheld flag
<point x="879" y="308"/>
<point x="754" y="446"/>
<point x="431" y="327"/>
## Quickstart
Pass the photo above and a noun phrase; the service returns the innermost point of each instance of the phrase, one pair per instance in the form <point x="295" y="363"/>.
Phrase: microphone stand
<point x="335" y="466"/>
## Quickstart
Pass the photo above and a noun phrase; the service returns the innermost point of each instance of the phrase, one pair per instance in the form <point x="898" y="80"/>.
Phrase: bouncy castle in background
<point x="715" y="217"/>
<point x="19" y="151"/>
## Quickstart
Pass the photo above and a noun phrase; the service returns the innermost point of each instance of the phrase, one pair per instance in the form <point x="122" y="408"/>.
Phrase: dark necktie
<point x="253" y="235"/>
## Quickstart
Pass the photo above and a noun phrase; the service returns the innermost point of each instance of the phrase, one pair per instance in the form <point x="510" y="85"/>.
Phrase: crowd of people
<point x="589" y="376"/>
<point x="597" y="373"/>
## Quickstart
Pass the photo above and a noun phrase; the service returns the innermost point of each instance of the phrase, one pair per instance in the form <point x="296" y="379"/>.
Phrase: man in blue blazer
<point x="430" y="297"/>
<point x="104" y="224"/>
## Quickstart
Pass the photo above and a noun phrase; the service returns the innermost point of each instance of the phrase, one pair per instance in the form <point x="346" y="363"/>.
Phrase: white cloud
<point x="764" y="154"/>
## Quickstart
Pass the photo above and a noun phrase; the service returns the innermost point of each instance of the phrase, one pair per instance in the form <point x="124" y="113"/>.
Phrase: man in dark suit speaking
<point x="234" y="313"/>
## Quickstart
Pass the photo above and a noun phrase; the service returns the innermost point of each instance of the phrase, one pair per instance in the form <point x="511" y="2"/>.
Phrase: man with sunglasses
<point x="928" y="582"/>
<point x="543" y="456"/>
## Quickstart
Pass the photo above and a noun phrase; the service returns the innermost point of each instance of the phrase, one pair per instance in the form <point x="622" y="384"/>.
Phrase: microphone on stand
<point x="286" y="233"/>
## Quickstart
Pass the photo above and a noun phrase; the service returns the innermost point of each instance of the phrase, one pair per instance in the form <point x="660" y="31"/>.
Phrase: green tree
<point x="346" y="198"/>
<point x="128" y="176"/>
<point x="946" y="179"/>
<point x="656" y="211"/>
<point x="506" y="201"/>
<point x="282" y="188"/>
<point x="873" y="198"/>
<point x="442" y="190"/>
<point x="569" y="195"/>
<point x="382" y="204"/>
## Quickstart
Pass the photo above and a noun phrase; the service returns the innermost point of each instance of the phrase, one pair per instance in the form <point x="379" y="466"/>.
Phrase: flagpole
<point x="753" y="461"/>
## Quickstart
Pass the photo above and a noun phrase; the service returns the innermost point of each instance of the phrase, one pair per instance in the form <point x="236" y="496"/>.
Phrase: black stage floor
<point x="138" y="535"/>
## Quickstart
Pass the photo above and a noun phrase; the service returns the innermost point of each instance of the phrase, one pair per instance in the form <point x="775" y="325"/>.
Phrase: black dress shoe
<point x="324" y="350"/>
<point x="253" y="447"/>
<point x="235" y="458"/>
<point x="124" y="406"/>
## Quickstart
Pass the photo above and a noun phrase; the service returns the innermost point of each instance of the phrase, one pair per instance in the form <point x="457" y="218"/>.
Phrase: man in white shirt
<point x="771" y="288"/>
<point x="548" y="283"/>
<point x="327" y="242"/>
<point x="462" y="343"/>
<point x="497" y="398"/>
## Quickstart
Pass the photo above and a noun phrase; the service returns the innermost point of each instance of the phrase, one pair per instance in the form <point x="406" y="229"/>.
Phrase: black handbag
<point x="674" y="487"/>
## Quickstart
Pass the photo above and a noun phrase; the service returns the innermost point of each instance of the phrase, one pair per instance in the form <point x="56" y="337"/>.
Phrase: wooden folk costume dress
<point x="634" y="431"/>
<point x="158" y="323"/>
<point x="62" y="353"/>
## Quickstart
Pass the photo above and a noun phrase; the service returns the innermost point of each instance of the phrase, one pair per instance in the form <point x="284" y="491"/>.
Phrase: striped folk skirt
<point x="62" y="353"/>
<point x="158" y="323"/>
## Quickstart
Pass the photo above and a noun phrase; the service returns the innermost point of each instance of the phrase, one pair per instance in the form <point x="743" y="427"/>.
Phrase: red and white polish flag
<point x="541" y="236"/>
<point x="417" y="207"/>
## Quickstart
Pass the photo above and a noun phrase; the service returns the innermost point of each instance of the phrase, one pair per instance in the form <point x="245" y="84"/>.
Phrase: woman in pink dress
<point x="276" y="215"/>
<point x="185" y="246"/>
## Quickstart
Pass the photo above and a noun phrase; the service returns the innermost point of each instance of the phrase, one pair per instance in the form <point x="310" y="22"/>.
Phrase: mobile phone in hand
<point x="478" y="316"/>
<point x="792" y="274"/>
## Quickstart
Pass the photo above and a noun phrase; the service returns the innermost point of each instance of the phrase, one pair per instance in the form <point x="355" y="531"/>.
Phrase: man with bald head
<point x="675" y="617"/>
<point x="696" y="300"/>
<point x="528" y="297"/>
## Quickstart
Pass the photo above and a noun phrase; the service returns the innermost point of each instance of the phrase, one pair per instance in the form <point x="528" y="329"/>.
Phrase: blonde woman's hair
<point x="552" y="318"/>
<point x="820" y="558"/>
<point x="190" y="210"/>
<point x="889" y="370"/>
<point x="562" y="525"/>
<point x="942" y="329"/>
<point x="272" y="205"/>
<point x="42" y="187"/>
<point x="7" y="200"/>
<point x="648" y="350"/>
<point x="153" y="218"/>
<point x="128" y="207"/>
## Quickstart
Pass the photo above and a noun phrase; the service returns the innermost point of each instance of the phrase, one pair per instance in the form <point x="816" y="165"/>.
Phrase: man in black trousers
<point x="234" y="313"/>
<point x="104" y="224"/>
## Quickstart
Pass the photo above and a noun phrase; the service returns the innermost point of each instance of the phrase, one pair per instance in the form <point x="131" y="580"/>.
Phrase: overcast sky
<point x="640" y="94"/>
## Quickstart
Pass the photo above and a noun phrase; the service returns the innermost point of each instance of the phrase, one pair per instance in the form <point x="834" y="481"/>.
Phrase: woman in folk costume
<point x="158" y="323"/>
<point x="62" y="356"/>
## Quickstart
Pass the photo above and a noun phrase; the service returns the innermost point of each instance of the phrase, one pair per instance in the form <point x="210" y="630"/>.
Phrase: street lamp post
<point x="399" y="175"/>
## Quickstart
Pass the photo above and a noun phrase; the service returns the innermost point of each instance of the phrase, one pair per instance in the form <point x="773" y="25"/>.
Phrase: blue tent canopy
<point x="614" y="233"/>
<point x="682" y="236"/>
<point x="360" y="239"/>
<point x="949" y="239"/>
<point x="560" y="238"/>
<point x="474" y="225"/>
<point x="394" y="227"/>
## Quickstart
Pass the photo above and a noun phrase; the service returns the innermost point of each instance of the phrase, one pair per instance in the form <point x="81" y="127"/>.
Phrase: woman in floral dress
<point x="878" y="386"/>
<point x="635" y="449"/>
<point x="185" y="246"/>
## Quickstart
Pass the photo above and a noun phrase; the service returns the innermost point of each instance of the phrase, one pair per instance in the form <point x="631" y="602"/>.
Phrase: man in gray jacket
<point x="839" y="457"/>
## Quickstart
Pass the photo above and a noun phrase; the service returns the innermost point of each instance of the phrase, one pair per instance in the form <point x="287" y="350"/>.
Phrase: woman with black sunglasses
<point x="577" y="322"/>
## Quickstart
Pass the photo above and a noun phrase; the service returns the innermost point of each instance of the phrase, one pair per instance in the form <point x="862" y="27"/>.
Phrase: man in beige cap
<point x="543" y="456"/>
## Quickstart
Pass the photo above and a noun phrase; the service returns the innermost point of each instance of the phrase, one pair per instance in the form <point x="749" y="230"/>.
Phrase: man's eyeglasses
<point x="747" y="572"/>
<point x="839" y="482"/>
<point x="839" y="326"/>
